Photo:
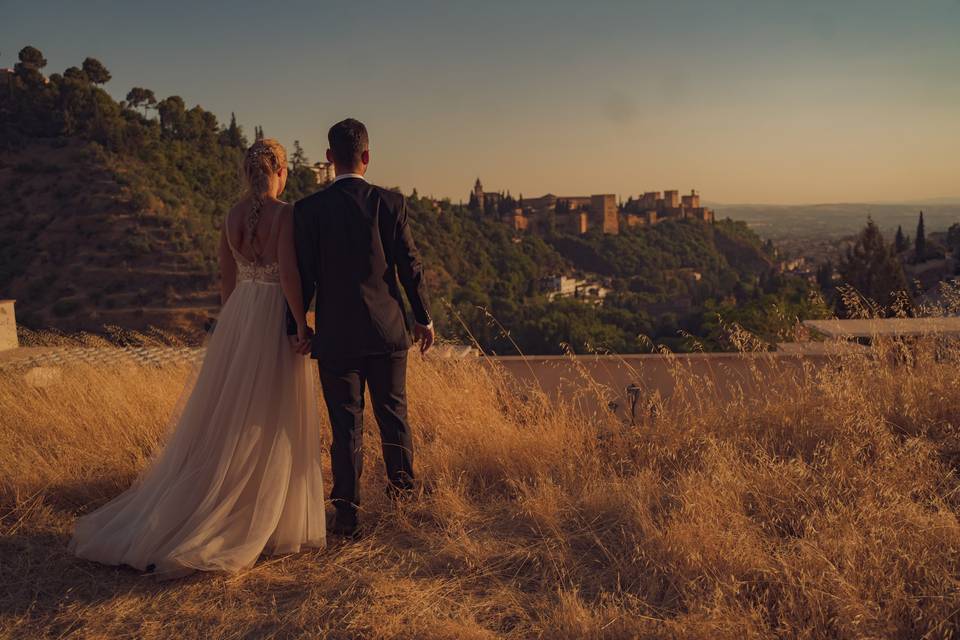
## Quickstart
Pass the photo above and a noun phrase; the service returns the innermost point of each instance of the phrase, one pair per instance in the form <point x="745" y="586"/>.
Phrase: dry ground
<point x="825" y="510"/>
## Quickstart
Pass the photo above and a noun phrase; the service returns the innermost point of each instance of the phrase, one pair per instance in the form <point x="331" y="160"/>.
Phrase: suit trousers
<point x="343" y="380"/>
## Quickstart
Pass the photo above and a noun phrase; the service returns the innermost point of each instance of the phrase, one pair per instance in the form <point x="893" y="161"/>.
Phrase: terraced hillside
<point x="88" y="244"/>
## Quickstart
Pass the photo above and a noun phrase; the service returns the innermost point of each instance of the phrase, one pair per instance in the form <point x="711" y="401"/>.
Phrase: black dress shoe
<point x="345" y="525"/>
<point x="400" y="490"/>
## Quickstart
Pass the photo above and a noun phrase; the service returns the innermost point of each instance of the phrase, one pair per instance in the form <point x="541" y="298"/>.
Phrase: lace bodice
<point x="249" y="272"/>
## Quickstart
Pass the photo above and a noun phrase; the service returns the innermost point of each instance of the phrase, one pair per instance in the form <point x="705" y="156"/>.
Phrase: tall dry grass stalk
<point x="824" y="507"/>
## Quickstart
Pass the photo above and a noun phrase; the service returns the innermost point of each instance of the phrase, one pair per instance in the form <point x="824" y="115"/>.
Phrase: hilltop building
<point x="652" y="207"/>
<point x="578" y="214"/>
<point x="488" y="201"/>
<point x="324" y="172"/>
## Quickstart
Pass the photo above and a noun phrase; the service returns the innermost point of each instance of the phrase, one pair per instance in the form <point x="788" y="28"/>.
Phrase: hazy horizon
<point x="766" y="103"/>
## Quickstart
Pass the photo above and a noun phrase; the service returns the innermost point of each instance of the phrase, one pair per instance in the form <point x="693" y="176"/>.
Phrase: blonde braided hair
<point x="263" y="159"/>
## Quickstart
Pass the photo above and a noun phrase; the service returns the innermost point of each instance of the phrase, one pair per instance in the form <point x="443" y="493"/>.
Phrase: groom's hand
<point x="301" y="342"/>
<point x="299" y="346"/>
<point x="305" y="339"/>
<point x="424" y="335"/>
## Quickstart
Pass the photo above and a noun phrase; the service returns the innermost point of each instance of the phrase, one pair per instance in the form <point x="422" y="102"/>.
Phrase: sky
<point x="767" y="102"/>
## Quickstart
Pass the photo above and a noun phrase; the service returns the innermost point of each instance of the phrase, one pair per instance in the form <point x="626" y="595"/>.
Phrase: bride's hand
<point x="304" y="336"/>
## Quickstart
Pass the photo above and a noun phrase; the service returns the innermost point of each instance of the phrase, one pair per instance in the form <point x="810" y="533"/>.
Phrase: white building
<point x="560" y="286"/>
<point x="324" y="172"/>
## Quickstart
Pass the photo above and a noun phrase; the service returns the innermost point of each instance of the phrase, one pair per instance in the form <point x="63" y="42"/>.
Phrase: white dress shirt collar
<point x="344" y="176"/>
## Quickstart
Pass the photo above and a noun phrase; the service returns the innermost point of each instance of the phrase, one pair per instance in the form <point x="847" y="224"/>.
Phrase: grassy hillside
<point x="826" y="508"/>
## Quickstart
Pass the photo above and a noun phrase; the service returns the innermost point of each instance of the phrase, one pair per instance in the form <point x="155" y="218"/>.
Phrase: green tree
<point x="920" y="243"/>
<point x="825" y="276"/>
<point x="32" y="58"/>
<point x="234" y="135"/>
<point x="872" y="268"/>
<point x="31" y="62"/>
<point x="140" y="97"/>
<point x="172" y="112"/>
<point x="96" y="72"/>
<point x="900" y="242"/>
<point x="953" y="239"/>
<point x="76" y="74"/>
<point x="299" y="158"/>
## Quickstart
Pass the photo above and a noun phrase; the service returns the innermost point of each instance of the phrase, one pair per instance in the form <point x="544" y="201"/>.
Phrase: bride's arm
<point x="228" y="268"/>
<point x="290" y="272"/>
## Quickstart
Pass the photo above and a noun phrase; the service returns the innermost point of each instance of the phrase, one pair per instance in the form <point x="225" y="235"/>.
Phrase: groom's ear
<point x="365" y="156"/>
<point x="329" y="156"/>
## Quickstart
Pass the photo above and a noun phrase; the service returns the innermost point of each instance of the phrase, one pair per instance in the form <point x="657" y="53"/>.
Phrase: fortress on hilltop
<point x="578" y="214"/>
<point x="651" y="208"/>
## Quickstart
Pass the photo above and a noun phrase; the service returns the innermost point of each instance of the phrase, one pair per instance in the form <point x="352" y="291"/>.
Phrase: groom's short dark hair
<point x="348" y="140"/>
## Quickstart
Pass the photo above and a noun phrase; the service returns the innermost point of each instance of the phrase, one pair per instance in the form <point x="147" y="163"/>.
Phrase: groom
<point x="353" y="243"/>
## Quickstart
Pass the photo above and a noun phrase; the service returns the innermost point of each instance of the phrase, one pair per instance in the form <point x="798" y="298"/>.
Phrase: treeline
<point x="681" y="283"/>
<point x="872" y="276"/>
<point x="186" y="158"/>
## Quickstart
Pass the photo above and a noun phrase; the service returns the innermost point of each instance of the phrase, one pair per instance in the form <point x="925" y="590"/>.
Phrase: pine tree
<point x="299" y="158"/>
<point x="32" y="58"/>
<point x="96" y="72"/>
<point x="31" y="62"/>
<point x="140" y="97"/>
<point x="920" y="243"/>
<point x="871" y="267"/>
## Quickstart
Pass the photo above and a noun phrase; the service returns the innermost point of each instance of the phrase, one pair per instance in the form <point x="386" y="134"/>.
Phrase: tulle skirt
<point x="240" y="475"/>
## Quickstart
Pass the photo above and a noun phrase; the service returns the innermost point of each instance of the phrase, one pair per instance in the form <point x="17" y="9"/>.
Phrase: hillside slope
<point x="85" y="246"/>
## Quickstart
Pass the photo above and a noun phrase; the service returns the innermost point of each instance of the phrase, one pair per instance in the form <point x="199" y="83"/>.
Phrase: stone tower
<point x="478" y="194"/>
<point x="603" y="211"/>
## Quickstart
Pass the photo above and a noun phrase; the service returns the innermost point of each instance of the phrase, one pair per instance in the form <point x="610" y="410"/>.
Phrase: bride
<point x="240" y="474"/>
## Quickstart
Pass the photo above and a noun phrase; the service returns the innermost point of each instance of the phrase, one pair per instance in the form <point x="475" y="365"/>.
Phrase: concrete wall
<point x="8" y="326"/>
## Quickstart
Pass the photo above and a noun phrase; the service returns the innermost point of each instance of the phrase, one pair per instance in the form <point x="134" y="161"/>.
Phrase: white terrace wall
<point x="8" y="326"/>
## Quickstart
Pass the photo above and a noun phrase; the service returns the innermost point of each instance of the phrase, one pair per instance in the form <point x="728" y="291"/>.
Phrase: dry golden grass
<point x="822" y="509"/>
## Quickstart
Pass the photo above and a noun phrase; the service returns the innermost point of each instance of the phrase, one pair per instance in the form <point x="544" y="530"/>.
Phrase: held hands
<point x="424" y="335"/>
<point x="301" y="342"/>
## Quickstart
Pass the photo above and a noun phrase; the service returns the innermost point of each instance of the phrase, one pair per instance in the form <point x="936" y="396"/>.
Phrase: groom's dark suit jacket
<point x="353" y="242"/>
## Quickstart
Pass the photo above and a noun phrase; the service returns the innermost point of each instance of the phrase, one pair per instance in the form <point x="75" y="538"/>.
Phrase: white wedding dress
<point x="240" y="474"/>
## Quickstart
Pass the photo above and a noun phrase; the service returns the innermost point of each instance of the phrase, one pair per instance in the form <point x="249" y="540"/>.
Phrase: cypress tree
<point x="234" y="135"/>
<point x="920" y="243"/>
<point x="900" y="241"/>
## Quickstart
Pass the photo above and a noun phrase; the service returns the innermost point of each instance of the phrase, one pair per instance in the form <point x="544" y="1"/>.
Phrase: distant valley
<point x="834" y="221"/>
